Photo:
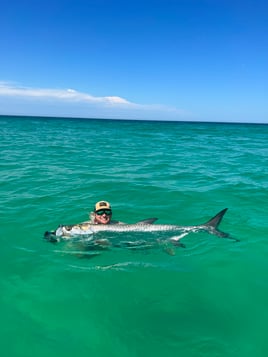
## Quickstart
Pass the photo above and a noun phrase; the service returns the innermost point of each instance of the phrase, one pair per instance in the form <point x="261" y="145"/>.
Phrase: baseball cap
<point x="102" y="205"/>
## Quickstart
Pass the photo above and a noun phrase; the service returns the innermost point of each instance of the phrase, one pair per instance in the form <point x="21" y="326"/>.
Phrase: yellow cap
<point x="102" y="205"/>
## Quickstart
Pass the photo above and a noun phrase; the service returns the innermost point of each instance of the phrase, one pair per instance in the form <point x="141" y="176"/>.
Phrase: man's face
<point x="103" y="216"/>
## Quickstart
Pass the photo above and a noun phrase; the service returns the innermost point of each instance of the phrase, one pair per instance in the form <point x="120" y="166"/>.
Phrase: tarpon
<point x="90" y="231"/>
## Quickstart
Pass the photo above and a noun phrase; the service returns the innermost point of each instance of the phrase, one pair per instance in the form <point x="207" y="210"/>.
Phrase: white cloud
<point x="58" y="94"/>
<point x="116" y="106"/>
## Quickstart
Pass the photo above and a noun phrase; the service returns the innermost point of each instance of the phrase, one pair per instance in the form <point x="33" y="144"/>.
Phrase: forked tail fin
<point x="213" y="223"/>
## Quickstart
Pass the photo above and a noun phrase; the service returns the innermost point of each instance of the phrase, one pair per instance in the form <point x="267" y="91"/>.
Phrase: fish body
<point x="89" y="230"/>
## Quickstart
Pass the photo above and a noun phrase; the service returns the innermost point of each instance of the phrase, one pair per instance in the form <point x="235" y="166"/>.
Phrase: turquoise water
<point x="207" y="299"/>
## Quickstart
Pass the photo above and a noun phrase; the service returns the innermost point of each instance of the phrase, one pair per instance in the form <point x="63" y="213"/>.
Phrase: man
<point x="102" y="214"/>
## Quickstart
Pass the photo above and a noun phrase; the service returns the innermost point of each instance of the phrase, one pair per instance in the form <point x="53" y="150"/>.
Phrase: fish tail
<point x="213" y="223"/>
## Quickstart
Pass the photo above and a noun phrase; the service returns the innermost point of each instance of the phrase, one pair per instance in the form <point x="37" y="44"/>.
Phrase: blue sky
<point x="198" y="60"/>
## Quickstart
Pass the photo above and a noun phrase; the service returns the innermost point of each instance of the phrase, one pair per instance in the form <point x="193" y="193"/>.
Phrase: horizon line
<point x="131" y="120"/>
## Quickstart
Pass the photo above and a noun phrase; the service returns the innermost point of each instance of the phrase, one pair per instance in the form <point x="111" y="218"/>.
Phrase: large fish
<point x="90" y="231"/>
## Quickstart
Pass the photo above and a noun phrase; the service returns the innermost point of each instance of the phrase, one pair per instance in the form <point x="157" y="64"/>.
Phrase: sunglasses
<point x="100" y="212"/>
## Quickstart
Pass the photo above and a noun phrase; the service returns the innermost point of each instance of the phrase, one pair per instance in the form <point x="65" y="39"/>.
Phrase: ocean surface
<point x="209" y="298"/>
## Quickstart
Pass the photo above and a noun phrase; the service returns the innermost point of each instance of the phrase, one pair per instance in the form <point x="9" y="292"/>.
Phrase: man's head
<point x="102" y="212"/>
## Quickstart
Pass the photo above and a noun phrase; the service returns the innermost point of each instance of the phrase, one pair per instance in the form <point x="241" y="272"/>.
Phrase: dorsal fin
<point x="147" y="221"/>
